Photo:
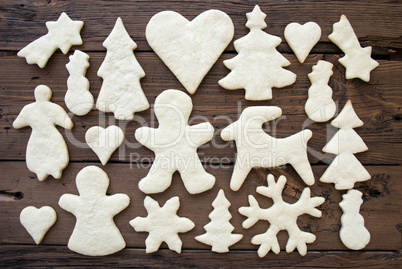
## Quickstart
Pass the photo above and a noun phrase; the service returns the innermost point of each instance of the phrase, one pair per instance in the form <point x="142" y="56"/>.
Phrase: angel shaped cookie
<point x="175" y="145"/>
<point x="47" y="152"/>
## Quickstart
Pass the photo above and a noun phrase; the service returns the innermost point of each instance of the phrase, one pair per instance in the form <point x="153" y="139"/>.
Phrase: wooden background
<point x="377" y="103"/>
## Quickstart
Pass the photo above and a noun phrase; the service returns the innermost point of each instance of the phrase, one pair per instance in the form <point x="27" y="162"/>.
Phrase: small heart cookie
<point x="38" y="221"/>
<point x="104" y="141"/>
<point x="302" y="38"/>
<point x="189" y="49"/>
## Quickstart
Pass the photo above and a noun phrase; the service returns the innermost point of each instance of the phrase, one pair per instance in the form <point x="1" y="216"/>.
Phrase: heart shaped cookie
<point x="38" y="221"/>
<point x="302" y="38"/>
<point x="104" y="141"/>
<point x="189" y="49"/>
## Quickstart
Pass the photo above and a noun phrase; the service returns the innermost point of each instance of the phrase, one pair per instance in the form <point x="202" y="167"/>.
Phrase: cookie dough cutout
<point x="78" y="98"/>
<point x="163" y="224"/>
<point x="319" y="106"/>
<point x="38" y="221"/>
<point x="104" y="141"/>
<point x="95" y="233"/>
<point x="63" y="34"/>
<point x="302" y="38"/>
<point x="353" y="233"/>
<point x="219" y="230"/>
<point x="47" y="152"/>
<point x="281" y="216"/>
<point x="121" y="91"/>
<point x="255" y="148"/>
<point x="175" y="145"/>
<point x="259" y="66"/>
<point x="189" y="48"/>
<point x="357" y="60"/>
<point x="345" y="169"/>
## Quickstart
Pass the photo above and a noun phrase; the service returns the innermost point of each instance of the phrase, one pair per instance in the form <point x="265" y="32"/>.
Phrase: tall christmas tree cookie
<point x="346" y="169"/>
<point x="259" y="66"/>
<point x="219" y="230"/>
<point x="121" y="91"/>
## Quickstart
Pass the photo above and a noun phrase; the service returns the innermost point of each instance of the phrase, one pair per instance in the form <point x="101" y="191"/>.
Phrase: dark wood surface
<point x="377" y="103"/>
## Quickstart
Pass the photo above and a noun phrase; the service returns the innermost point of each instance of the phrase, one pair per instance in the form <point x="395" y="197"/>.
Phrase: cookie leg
<point x="196" y="179"/>
<point x="157" y="180"/>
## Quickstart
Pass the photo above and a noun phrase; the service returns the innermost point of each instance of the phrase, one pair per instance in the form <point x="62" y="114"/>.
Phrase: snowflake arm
<point x="307" y="205"/>
<point x="253" y="212"/>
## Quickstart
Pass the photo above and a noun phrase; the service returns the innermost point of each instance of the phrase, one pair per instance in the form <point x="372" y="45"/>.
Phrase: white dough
<point x="104" y="141"/>
<point x="47" y="152"/>
<point x="255" y="148"/>
<point x="95" y="233"/>
<point x="319" y="106"/>
<point x="189" y="49"/>
<point x="357" y="60"/>
<point x="62" y="34"/>
<point x="353" y="233"/>
<point x="258" y="66"/>
<point x="163" y="224"/>
<point x="38" y="221"/>
<point x="281" y="216"/>
<point x="219" y="230"/>
<point x="78" y="98"/>
<point x="175" y="145"/>
<point x="302" y="38"/>
<point x="121" y="91"/>
<point x="345" y="169"/>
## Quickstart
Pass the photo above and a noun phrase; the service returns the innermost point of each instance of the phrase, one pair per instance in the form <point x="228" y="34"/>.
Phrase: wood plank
<point x="19" y="188"/>
<point x="56" y="256"/>
<point x="24" y="21"/>
<point x="377" y="103"/>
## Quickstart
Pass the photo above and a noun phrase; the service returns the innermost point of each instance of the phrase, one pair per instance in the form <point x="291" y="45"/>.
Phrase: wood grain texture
<point x="377" y="103"/>
<point x="381" y="197"/>
<point x="22" y="256"/>
<point x="375" y="22"/>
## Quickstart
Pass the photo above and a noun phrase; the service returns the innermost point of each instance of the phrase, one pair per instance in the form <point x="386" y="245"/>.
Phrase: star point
<point x="256" y="18"/>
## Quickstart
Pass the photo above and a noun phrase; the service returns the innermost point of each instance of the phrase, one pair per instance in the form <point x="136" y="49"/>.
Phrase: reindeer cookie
<point x="175" y="145"/>
<point x="255" y="148"/>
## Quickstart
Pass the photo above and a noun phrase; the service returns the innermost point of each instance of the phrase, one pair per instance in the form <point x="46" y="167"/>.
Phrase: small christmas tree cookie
<point x="219" y="230"/>
<point x="345" y="169"/>
<point x="281" y="216"/>
<point x="62" y="34"/>
<point x="121" y="91"/>
<point x="357" y="60"/>
<point x="353" y="233"/>
<point x="162" y="224"/>
<point x="259" y="66"/>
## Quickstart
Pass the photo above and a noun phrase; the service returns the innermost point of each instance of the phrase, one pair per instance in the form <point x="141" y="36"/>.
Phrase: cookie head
<point x="42" y="93"/>
<point x="92" y="181"/>
<point x="173" y="106"/>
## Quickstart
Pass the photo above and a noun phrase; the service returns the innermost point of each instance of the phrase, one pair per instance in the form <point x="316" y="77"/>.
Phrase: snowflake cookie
<point x="281" y="216"/>
<point x="162" y="224"/>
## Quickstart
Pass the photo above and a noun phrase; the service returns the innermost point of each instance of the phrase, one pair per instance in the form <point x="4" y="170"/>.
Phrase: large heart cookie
<point x="104" y="141"/>
<point x="302" y="38"/>
<point x="38" y="221"/>
<point x="189" y="49"/>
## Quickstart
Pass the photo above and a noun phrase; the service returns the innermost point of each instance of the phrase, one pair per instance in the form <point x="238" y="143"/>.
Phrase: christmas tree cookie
<point x="259" y="66"/>
<point x="219" y="230"/>
<point x="121" y="91"/>
<point x="345" y="169"/>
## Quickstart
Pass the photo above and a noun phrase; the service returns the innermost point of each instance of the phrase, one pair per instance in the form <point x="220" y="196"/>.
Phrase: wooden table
<point x="377" y="103"/>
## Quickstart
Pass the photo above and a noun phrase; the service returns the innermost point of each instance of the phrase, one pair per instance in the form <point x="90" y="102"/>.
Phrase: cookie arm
<point x="143" y="135"/>
<point x="20" y="121"/>
<point x="60" y="117"/>
<point x="69" y="202"/>
<point x="117" y="202"/>
<point x="200" y="134"/>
